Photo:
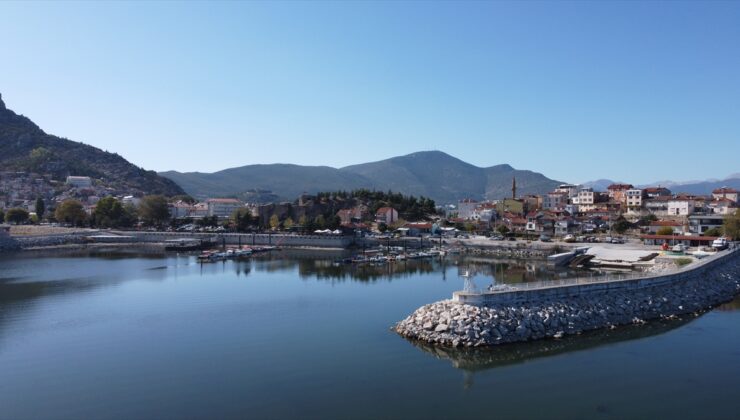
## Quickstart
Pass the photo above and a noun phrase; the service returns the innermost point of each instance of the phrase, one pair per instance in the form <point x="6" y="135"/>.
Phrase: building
<point x="223" y="207"/>
<point x="678" y="239"/>
<point x="570" y="189"/>
<point x="618" y="192"/>
<point x="698" y="224"/>
<point x="653" y="192"/>
<point x="634" y="198"/>
<point x="681" y="206"/>
<point x="677" y="227"/>
<point x="387" y="215"/>
<point x="465" y="208"/>
<point x="722" y="206"/>
<point x="725" y="192"/>
<point x="353" y="215"/>
<point x="79" y="181"/>
<point x="180" y="210"/>
<point x="555" y="200"/>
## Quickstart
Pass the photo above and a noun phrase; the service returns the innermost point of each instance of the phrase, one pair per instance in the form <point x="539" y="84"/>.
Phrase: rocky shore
<point x="450" y="323"/>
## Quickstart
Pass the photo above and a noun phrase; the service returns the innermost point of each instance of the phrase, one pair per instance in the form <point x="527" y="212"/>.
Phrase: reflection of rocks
<point x="450" y="323"/>
<point x="481" y="358"/>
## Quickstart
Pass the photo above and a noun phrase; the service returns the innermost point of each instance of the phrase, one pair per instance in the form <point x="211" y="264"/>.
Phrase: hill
<point x="26" y="147"/>
<point x="432" y="174"/>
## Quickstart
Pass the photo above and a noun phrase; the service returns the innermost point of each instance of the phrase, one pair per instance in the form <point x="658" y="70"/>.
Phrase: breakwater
<point x="484" y="319"/>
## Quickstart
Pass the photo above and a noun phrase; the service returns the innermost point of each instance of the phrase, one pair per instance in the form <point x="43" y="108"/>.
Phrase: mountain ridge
<point x="24" y="146"/>
<point x="432" y="174"/>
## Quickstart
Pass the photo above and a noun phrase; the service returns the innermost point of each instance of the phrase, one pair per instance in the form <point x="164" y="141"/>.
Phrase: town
<point x="569" y="213"/>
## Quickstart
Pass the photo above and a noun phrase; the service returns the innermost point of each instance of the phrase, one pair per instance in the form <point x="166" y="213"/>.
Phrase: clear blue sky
<point x="631" y="91"/>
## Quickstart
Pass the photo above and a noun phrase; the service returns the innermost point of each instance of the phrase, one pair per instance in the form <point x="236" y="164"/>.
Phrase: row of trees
<point x="408" y="206"/>
<point x="109" y="213"/>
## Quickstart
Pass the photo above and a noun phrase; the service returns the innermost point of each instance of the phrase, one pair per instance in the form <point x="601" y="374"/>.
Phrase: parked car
<point x="545" y="238"/>
<point x="569" y="238"/>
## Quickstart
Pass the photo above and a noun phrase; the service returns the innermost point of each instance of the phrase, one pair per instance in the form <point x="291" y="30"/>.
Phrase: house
<point x="634" y="198"/>
<point x="722" y="206"/>
<point x="653" y="192"/>
<point x="678" y="228"/>
<point x="681" y="206"/>
<point x="387" y="215"/>
<point x="223" y="207"/>
<point x="566" y="226"/>
<point x="555" y="200"/>
<point x="570" y="189"/>
<point x="418" y="228"/>
<point x="725" y="192"/>
<point x="79" y="181"/>
<point x="585" y="196"/>
<point x="353" y="215"/>
<point x="618" y="192"/>
<point x="199" y="211"/>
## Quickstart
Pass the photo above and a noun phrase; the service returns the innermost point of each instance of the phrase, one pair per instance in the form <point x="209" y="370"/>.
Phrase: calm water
<point x="289" y="335"/>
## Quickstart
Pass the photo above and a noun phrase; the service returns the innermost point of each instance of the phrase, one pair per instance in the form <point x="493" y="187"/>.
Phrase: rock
<point x="441" y="327"/>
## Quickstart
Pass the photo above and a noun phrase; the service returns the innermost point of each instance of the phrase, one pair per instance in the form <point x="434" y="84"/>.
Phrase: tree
<point x="665" y="230"/>
<point x="302" y="221"/>
<point x="70" y="211"/>
<point x="382" y="227"/>
<point x="731" y="225"/>
<point x="715" y="231"/>
<point x="242" y="219"/>
<point x="274" y="221"/>
<point x="153" y="210"/>
<point x="320" y="221"/>
<point x="288" y="223"/>
<point x="108" y="212"/>
<point x="621" y="225"/>
<point x="40" y="207"/>
<point x="503" y="230"/>
<point x="2" y="215"/>
<point x="16" y="216"/>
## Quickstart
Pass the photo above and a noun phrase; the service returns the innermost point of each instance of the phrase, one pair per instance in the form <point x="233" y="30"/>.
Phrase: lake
<point x="125" y="335"/>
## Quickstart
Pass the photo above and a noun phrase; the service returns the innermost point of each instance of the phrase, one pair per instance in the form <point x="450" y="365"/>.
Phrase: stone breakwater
<point x="510" y="252"/>
<point x="450" y="323"/>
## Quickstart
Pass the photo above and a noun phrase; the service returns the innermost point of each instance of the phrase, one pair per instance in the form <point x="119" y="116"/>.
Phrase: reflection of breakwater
<point x="473" y="359"/>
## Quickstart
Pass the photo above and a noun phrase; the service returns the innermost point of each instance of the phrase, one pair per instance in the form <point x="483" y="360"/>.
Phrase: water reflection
<point x="472" y="360"/>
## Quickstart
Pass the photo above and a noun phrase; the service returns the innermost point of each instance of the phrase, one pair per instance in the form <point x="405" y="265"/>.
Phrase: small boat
<point x="680" y="248"/>
<point x="720" y="244"/>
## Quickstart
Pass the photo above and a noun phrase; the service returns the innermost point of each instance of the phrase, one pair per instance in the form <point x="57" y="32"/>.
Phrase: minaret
<point x="513" y="188"/>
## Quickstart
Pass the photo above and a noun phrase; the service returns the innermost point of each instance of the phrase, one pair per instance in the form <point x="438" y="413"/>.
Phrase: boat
<point x="680" y="248"/>
<point x="720" y="244"/>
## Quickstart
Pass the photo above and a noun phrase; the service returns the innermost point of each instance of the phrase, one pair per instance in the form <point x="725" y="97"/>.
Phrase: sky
<point x="632" y="91"/>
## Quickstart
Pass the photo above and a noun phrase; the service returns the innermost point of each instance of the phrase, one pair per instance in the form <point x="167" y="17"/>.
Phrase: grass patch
<point x="682" y="261"/>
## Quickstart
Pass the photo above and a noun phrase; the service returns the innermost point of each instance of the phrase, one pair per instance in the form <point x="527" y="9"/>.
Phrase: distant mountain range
<point x="25" y="147"/>
<point x="432" y="174"/>
<point x="690" y="187"/>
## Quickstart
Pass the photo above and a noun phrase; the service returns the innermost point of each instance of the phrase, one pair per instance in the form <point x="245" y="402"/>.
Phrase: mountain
<point x="599" y="184"/>
<point x="433" y="174"/>
<point x="704" y="187"/>
<point x="26" y="147"/>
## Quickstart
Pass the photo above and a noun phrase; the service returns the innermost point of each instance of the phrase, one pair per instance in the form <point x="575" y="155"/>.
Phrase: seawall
<point x="473" y="320"/>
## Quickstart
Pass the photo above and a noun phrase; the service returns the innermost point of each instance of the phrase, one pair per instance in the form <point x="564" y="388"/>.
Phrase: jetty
<point x="553" y="309"/>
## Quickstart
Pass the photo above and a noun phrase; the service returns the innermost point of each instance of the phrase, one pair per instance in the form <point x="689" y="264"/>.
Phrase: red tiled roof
<point x="665" y="223"/>
<point x="680" y="237"/>
<point x="724" y="190"/>
<point x="619" y="187"/>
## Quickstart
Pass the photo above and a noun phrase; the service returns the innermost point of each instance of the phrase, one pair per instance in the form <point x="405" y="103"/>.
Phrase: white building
<point x="466" y="208"/>
<point x="555" y="200"/>
<point x="634" y="198"/>
<point x="79" y="181"/>
<point x="570" y="189"/>
<point x="223" y="207"/>
<point x="725" y="192"/>
<point x="387" y="215"/>
<point x="680" y="207"/>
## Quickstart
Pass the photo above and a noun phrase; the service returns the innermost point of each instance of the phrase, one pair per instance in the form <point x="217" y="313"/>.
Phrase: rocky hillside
<point x="432" y="174"/>
<point x="26" y="147"/>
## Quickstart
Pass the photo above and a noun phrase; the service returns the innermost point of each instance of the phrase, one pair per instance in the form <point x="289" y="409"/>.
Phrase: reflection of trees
<point x="366" y="272"/>
<point x="471" y="360"/>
